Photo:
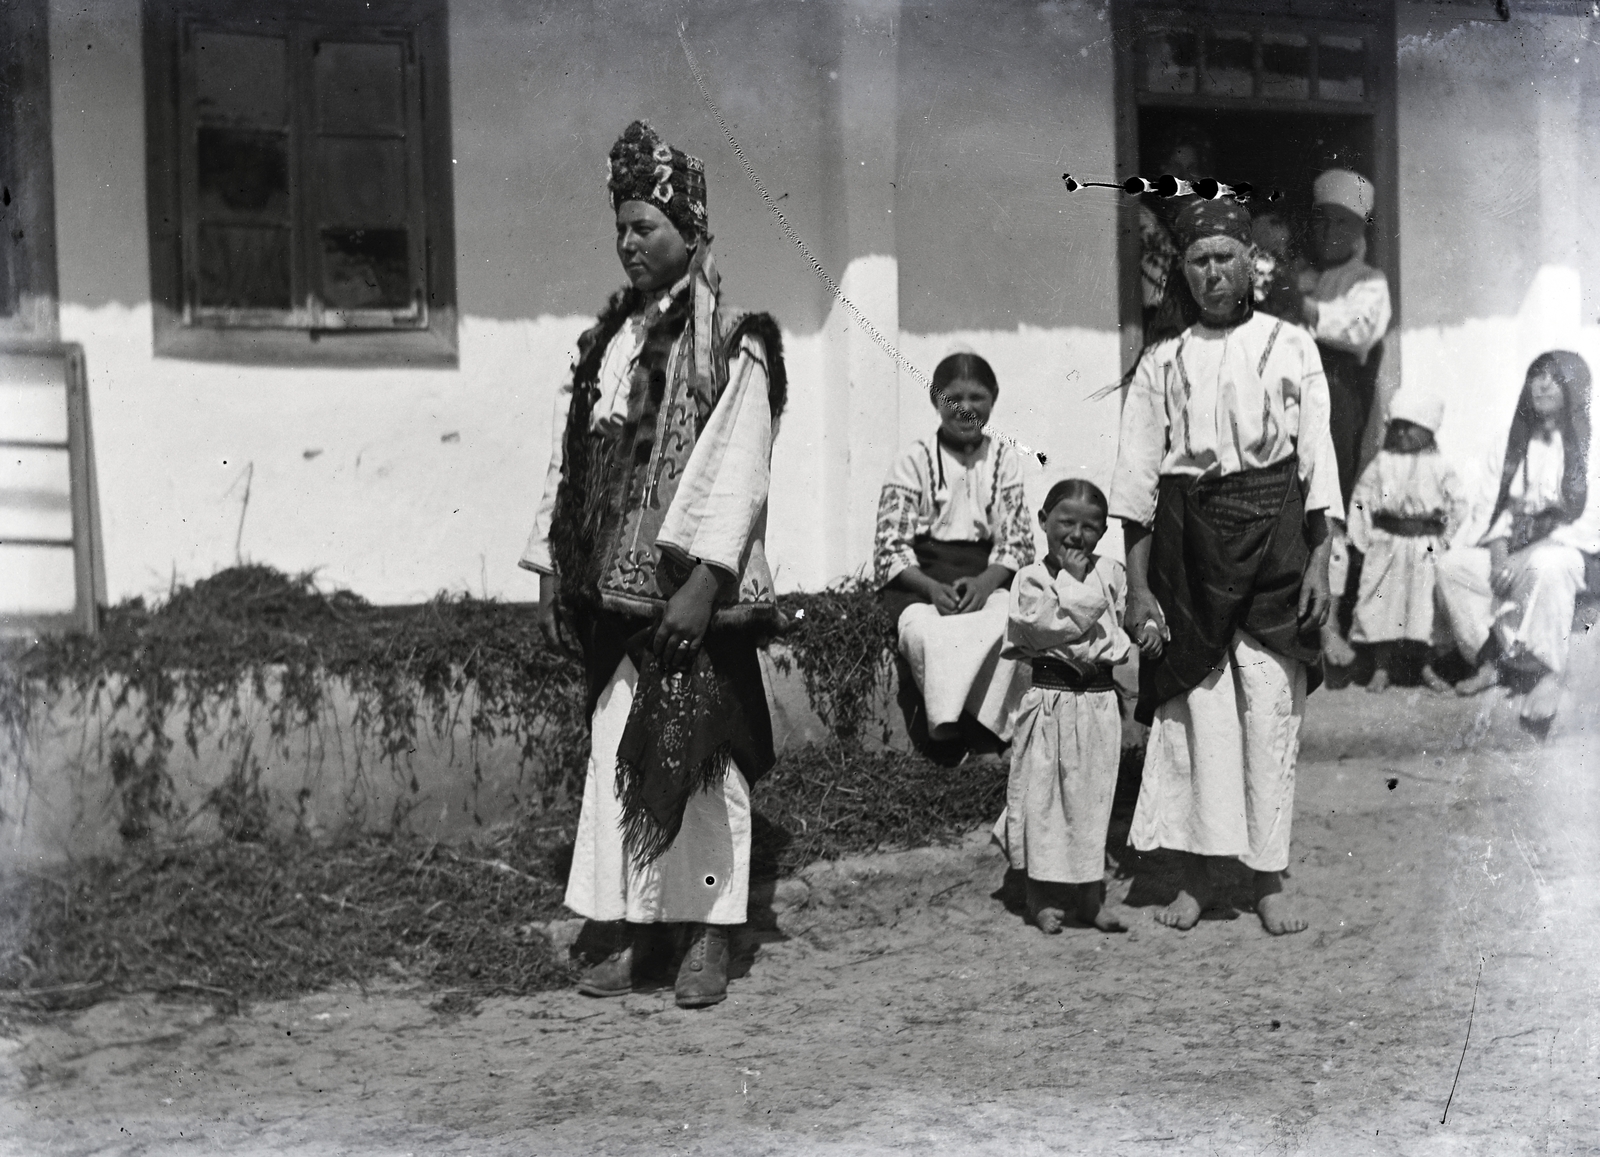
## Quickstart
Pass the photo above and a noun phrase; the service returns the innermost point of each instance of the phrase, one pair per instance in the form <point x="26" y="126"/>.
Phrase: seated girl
<point x="1510" y="601"/>
<point x="953" y="528"/>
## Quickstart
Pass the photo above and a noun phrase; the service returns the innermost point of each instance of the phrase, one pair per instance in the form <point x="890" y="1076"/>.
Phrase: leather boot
<point x="703" y="975"/>
<point x="613" y="976"/>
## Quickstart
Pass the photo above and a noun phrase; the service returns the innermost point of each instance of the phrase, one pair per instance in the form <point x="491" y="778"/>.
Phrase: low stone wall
<point x="59" y="798"/>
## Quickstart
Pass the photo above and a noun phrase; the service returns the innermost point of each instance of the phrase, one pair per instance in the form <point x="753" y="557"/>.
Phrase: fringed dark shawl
<point x="683" y="727"/>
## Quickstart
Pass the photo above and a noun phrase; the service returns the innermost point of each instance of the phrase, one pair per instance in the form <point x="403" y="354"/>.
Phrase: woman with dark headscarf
<point x="649" y="543"/>
<point x="1510" y="600"/>
<point x="1225" y="483"/>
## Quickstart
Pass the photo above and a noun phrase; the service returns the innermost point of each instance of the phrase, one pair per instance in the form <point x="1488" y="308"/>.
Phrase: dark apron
<point x="1227" y="555"/>
<point x="943" y="562"/>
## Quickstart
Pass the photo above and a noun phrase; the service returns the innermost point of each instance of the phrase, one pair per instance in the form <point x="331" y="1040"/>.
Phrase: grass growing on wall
<point x="262" y="913"/>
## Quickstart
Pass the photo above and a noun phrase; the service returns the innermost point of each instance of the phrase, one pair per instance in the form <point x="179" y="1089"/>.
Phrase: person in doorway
<point x="1187" y="155"/>
<point x="1066" y="620"/>
<point x="649" y="544"/>
<point x="1225" y="483"/>
<point x="952" y="529"/>
<point x="1346" y="306"/>
<point x="1278" y="266"/>
<point x="1510" y="600"/>
<point x="1405" y="508"/>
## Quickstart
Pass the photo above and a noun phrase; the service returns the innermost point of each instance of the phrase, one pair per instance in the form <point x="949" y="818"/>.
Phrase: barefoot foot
<point x="1277" y="911"/>
<point x="1095" y="910"/>
<point x="1111" y="918"/>
<point x="1436" y="682"/>
<point x="1540" y="704"/>
<point x="1049" y="920"/>
<point x="1379" y="681"/>
<point x="1479" y="681"/>
<point x="1182" y="914"/>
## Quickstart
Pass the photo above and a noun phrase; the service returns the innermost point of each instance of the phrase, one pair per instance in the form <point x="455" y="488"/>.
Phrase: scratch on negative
<point x="850" y="307"/>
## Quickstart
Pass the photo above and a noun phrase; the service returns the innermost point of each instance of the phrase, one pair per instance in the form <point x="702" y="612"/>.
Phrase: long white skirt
<point x="704" y="877"/>
<point x="1220" y="762"/>
<point x="1398" y="577"/>
<point x="1063" y="776"/>
<point x="957" y="664"/>
<point x="1536" y="619"/>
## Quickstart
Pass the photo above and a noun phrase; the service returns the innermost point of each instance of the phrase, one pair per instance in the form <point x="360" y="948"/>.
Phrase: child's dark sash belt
<point x="1409" y="525"/>
<point x="1054" y="675"/>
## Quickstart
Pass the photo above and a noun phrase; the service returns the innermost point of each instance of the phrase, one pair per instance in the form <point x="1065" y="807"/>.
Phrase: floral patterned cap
<point x="643" y="167"/>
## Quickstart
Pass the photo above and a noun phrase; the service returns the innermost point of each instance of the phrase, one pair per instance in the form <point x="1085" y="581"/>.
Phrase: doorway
<point x="1280" y="98"/>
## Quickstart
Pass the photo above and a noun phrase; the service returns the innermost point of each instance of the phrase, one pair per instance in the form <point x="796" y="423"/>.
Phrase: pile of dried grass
<point x="239" y="921"/>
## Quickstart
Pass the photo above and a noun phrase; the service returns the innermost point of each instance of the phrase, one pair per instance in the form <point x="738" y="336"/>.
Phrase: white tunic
<point x="1067" y="744"/>
<point x="1213" y="402"/>
<point x="1396" y="599"/>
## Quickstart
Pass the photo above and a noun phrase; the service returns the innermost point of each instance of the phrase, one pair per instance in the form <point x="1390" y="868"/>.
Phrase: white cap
<point x="1348" y="190"/>
<point x="1418" y="407"/>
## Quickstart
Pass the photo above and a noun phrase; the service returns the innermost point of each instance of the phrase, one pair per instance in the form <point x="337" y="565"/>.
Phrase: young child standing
<point x="1066" y="619"/>
<point x="1406" y="505"/>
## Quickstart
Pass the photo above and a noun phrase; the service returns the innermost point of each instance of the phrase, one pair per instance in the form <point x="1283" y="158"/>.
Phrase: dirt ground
<point x="1448" y="866"/>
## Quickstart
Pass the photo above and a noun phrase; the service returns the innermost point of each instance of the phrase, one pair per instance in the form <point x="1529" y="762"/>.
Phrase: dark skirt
<point x="1227" y="555"/>
<point x="943" y="562"/>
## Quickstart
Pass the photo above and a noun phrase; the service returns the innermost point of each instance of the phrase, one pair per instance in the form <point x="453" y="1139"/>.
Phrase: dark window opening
<point x="301" y="153"/>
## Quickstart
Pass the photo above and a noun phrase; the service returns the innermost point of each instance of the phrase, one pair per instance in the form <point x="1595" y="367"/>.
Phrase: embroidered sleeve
<point x="1010" y="528"/>
<point x="723" y="491"/>
<point x="1141" y="444"/>
<point x="1358" y="318"/>
<point x="536" y="554"/>
<point x="904" y="506"/>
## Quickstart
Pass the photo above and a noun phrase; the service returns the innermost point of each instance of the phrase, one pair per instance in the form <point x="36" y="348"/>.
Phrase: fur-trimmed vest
<point x="618" y="484"/>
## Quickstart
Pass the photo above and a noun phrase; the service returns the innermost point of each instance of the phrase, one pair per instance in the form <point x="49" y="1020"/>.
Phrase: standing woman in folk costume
<point x="1226" y="483"/>
<point x="649" y="544"/>
<point x="1510" y="600"/>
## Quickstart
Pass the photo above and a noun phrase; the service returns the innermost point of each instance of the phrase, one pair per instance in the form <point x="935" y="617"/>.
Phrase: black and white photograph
<point x="799" y="577"/>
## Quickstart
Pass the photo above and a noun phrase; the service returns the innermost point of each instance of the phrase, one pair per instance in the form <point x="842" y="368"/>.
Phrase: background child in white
<point x="1404" y="510"/>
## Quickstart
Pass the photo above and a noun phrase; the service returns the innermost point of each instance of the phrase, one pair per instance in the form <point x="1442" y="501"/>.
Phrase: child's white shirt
<point x="1059" y="617"/>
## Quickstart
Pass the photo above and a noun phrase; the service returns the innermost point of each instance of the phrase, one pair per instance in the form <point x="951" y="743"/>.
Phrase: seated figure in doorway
<point x="953" y="528"/>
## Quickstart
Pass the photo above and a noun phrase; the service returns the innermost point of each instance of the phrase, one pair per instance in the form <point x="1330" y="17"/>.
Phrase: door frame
<point x="1374" y="19"/>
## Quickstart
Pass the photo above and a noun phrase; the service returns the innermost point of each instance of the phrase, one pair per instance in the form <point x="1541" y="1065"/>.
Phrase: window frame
<point x="310" y="333"/>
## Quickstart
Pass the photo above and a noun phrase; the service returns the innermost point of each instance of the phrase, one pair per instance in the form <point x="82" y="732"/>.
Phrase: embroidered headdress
<point x="643" y="167"/>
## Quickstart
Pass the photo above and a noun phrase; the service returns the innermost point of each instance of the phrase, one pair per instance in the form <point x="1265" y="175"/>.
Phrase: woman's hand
<point x="945" y="597"/>
<point x="1502" y="575"/>
<point x="1145" y="621"/>
<point x="683" y="626"/>
<point x="974" y="592"/>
